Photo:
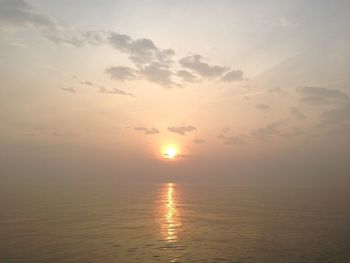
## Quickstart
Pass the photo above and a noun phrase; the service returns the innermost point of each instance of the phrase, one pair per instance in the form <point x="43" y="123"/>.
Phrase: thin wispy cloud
<point x="278" y="91"/>
<point x="268" y="131"/>
<point x="182" y="130"/>
<point x="229" y="137"/>
<point x="297" y="113"/>
<point x="19" y="14"/>
<point x="322" y="96"/>
<point x="232" y="139"/>
<point x="147" y="131"/>
<point x="104" y="90"/>
<point x="337" y="116"/>
<point x="262" y="106"/>
<point x="70" y="90"/>
<point x="198" y="141"/>
<point x="87" y="83"/>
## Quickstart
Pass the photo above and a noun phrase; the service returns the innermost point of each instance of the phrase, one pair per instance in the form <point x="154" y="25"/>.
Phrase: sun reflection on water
<point x="170" y="217"/>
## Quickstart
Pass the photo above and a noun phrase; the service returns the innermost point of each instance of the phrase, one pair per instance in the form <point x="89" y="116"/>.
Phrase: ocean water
<point x="173" y="223"/>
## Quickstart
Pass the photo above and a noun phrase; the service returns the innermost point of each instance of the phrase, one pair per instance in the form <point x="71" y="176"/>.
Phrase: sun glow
<point x="170" y="152"/>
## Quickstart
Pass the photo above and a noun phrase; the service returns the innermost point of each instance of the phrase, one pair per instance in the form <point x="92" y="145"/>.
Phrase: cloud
<point x="155" y="72"/>
<point x="322" y="96"/>
<point x="121" y="92"/>
<point x="147" y="131"/>
<point x="141" y="51"/>
<point x="70" y="89"/>
<point x="18" y="13"/>
<point x="87" y="83"/>
<point x="198" y="141"/>
<point x="151" y="62"/>
<point x="262" y="107"/>
<point x="234" y="75"/>
<point x="159" y="74"/>
<point x="62" y="35"/>
<point x="104" y="90"/>
<point x="194" y="62"/>
<point x="121" y="73"/>
<point x="337" y="116"/>
<point x="186" y="76"/>
<point x="115" y="91"/>
<point x="277" y="90"/>
<point x="269" y="130"/>
<point x="232" y="140"/>
<point x="297" y="113"/>
<point x="95" y="37"/>
<point x="182" y="130"/>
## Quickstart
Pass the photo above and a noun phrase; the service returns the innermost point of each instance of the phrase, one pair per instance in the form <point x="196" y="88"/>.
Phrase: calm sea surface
<point x="173" y="223"/>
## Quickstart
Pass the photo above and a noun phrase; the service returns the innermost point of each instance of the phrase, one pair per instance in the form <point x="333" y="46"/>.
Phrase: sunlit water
<point x="173" y="223"/>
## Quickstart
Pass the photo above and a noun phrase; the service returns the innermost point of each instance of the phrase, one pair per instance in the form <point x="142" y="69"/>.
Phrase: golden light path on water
<point x="170" y="216"/>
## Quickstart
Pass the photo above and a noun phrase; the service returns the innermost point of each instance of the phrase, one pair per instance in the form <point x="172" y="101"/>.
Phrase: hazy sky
<point x="247" y="91"/>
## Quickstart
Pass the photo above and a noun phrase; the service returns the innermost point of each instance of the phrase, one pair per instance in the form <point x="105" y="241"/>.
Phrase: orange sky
<point x="243" y="89"/>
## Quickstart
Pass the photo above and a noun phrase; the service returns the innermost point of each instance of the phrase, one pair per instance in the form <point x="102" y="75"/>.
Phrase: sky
<point x="246" y="92"/>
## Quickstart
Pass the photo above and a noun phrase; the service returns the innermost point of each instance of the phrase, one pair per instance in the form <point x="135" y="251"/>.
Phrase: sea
<point x="173" y="222"/>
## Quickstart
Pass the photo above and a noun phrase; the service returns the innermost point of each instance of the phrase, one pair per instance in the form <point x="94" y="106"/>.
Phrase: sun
<point x="170" y="152"/>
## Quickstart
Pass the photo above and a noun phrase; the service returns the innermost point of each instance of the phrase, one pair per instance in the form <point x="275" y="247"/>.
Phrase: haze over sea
<point x="170" y="222"/>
